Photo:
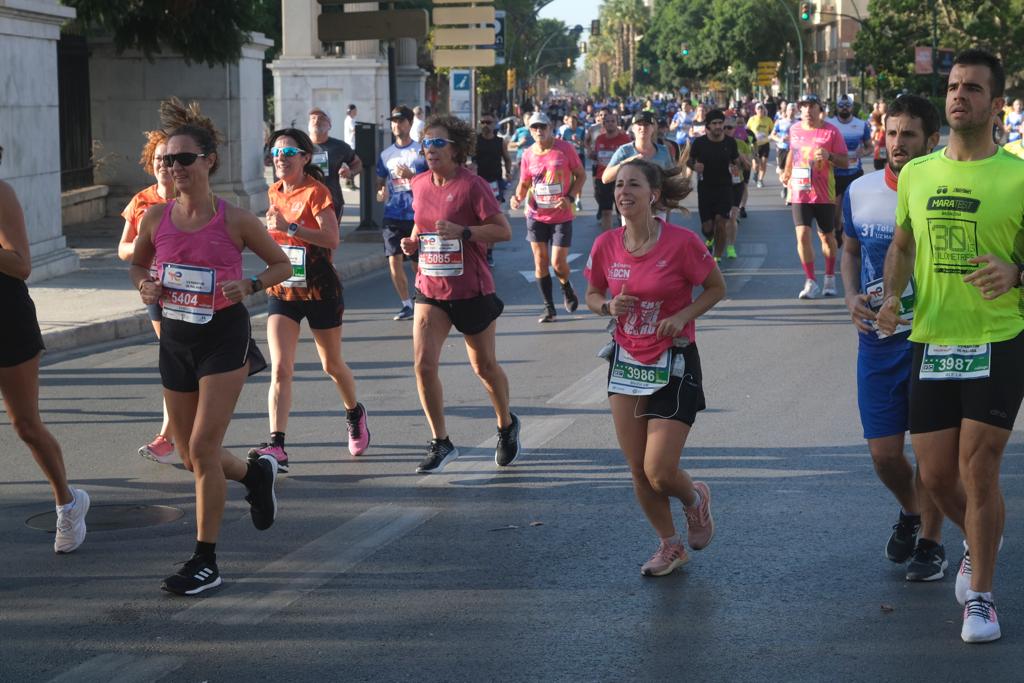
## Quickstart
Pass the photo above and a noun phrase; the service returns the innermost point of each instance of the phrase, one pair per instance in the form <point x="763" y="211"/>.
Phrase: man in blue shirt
<point x="857" y="135"/>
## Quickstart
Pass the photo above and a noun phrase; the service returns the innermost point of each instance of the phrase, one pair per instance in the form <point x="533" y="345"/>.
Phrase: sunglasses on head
<point x="436" y="143"/>
<point x="285" y="151"/>
<point x="183" y="158"/>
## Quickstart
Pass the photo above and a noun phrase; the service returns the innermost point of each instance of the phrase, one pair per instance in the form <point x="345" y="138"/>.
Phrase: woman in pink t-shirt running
<point x="650" y="267"/>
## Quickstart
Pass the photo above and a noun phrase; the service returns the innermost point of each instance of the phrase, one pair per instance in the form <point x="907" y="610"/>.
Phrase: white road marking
<point x="590" y="389"/>
<point x="256" y="598"/>
<point x="479" y="460"/>
<point x="120" y="668"/>
<point x="739" y="271"/>
<point x="531" y="276"/>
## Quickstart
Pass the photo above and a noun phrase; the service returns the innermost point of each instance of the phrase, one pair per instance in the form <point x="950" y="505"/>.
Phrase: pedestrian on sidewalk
<point x="21" y="348"/>
<point x="301" y="220"/>
<point x="206" y="345"/>
<point x="161" y="448"/>
<point x="350" y="140"/>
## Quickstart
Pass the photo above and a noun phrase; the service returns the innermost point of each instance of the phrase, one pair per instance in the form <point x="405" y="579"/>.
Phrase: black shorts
<point x="781" y="155"/>
<point x="393" y="231"/>
<point x="824" y="214"/>
<point x="764" y="150"/>
<point x="21" y="340"/>
<point x="994" y="400"/>
<point x="737" y="193"/>
<point x="322" y="315"/>
<point x="469" y="316"/>
<point x="843" y="182"/>
<point x="682" y="398"/>
<point x="558" y="234"/>
<point x="604" y="194"/>
<point x="714" y="200"/>
<point x="189" y="352"/>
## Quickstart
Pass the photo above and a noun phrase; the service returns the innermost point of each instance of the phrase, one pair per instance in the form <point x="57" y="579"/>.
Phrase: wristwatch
<point x="605" y="309"/>
<point x="257" y="284"/>
<point x="292" y="229"/>
<point x="467" y="234"/>
<point x="1020" y="275"/>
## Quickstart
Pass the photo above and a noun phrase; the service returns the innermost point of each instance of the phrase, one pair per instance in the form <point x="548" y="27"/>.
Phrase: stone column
<point x="411" y="80"/>
<point x="29" y="31"/>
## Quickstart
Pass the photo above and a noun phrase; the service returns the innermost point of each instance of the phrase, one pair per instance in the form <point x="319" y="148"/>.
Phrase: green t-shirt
<point x="958" y="210"/>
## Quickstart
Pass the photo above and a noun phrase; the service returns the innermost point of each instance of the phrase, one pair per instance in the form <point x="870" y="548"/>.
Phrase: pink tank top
<point x="209" y="247"/>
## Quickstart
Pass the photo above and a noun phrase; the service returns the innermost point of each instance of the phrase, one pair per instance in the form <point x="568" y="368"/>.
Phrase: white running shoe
<point x="829" y="288"/>
<point x="981" y="625"/>
<point x="811" y="290"/>
<point x="71" y="522"/>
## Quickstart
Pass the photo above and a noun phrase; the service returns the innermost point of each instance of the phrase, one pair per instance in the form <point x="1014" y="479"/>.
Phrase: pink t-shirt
<point x="551" y="174"/>
<point x="813" y="182"/>
<point x="662" y="279"/>
<point x="467" y="200"/>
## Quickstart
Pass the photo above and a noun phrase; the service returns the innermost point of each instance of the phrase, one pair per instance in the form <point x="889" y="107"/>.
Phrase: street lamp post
<point x="800" y="44"/>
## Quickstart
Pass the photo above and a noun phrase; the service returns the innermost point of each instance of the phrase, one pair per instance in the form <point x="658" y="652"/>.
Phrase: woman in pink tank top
<point x="206" y="346"/>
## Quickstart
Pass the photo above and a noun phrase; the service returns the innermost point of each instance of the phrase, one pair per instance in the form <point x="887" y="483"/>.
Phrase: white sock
<point x="696" y="503"/>
<point x="407" y="302"/>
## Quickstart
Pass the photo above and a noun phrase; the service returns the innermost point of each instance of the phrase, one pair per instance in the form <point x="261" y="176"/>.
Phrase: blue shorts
<point x="883" y="387"/>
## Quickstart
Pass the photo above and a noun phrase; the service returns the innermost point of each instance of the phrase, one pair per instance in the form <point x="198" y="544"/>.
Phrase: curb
<point x="137" y="322"/>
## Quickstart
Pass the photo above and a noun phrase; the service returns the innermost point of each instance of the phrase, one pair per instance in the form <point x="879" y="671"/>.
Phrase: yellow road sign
<point x="463" y="37"/>
<point x="463" y="58"/>
<point x="455" y="16"/>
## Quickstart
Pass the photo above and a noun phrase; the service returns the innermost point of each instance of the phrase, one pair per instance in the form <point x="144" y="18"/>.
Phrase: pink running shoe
<point x="665" y="559"/>
<point x="267" y="449"/>
<point x="358" y="434"/>
<point x="700" y="526"/>
<point x="158" y="450"/>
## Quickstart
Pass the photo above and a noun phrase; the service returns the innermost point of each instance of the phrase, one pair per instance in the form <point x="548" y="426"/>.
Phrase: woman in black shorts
<point x="21" y="346"/>
<point x="206" y="346"/>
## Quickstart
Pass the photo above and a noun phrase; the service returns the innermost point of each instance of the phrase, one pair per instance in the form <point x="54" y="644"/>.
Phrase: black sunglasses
<point x="183" y="158"/>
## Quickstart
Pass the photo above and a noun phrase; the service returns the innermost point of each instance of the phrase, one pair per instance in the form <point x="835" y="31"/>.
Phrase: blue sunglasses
<point x="285" y="151"/>
<point x="436" y="143"/>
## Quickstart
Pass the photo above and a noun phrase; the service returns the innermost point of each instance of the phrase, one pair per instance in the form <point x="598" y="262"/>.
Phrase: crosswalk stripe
<point x="256" y="598"/>
<point x="588" y="390"/>
<point x="120" y="668"/>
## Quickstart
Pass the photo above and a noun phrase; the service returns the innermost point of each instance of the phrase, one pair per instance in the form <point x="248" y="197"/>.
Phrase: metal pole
<point x="935" y="50"/>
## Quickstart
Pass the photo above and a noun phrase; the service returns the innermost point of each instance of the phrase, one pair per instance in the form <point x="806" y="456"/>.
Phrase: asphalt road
<point x="373" y="572"/>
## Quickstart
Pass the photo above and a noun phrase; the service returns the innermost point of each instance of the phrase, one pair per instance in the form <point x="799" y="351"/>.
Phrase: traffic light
<point x="583" y="47"/>
<point x="806" y="10"/>
<point x="510" y="79"/>
<point x="595" y="27"/>
<point x="684" y="49"/>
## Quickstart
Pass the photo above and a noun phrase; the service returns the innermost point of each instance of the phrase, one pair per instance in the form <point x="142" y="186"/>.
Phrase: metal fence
<point x="75" y="119"/>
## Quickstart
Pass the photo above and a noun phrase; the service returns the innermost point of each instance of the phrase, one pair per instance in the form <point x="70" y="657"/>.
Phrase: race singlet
<point x="633" y="378"/>
<point x="297" y="255"/>
<point x="956" y="362"/>
<point x="188" y="293"/>
<point x="440" y="257"/>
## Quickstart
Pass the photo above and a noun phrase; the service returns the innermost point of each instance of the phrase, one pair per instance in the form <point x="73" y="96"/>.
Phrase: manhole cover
<point x="111" y="517"/>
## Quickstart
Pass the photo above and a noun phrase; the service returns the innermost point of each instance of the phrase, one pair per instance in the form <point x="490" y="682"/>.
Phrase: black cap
<point x="715" y="115"/>
<point x="401" y="112"/>
<point x="646" y="116"/>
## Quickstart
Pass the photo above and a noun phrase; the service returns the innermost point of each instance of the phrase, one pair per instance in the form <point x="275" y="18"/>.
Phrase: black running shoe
<point x="439" y="453"/>
<point x="194" y="577"/>
<point x="903" y="539"/>
<point x="928" y="562"/>
<point x="743" y="213"/>
<point x="569" y="298"/>
<point x="262" y="499"/>
<point x="508" y="444"/>
<point x="549" y="315"/>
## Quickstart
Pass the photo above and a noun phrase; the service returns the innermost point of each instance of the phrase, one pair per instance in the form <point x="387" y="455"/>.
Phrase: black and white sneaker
<point x="569" y="299"/>
<point x="928" y="561"/>
<point x="508" y="444"/>
<point x="901" y="543"/>
<point x="262" y="499"/>
<point x="549" y="315"/>
<point x="439" y="453"/>
<point x="194" y="577"/>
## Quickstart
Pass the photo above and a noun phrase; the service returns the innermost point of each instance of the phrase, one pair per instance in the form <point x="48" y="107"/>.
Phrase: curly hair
<point x="461" y="134"/>
<point x="673" y="183"/>
<point x="177" y="118"/>
<point x="154" y="138"/>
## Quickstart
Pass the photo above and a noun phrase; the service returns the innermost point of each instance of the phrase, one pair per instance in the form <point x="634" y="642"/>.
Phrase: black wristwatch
<point x="257" y="284"/>
<point x="467" y="234"/>
<point x="292" y="229"/>
<point x="1020" y="275"/>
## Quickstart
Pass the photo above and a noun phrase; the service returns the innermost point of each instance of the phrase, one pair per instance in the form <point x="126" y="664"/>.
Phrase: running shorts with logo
<point x="189" y="352"/>
<point x="22" y="339"/>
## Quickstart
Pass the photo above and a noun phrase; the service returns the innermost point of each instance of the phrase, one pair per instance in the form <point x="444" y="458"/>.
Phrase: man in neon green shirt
<point x="761" y="125"/>
<point x="960" y="231"/>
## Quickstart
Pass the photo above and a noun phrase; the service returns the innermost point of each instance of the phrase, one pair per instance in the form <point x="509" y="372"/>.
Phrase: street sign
<point x="923" y="61"/>
<point x="499" y="36"/>
<point x="460" y="94"/>
<point x="456" y="16"/>
<point x="337" y="27"/>
<point x="468" y="58"/>
<point x="461" y="37"/>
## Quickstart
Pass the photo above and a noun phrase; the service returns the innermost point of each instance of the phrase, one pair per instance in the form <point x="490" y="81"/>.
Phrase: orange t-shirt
<point x="138" y="206"/>
<point x="313" y="275"/>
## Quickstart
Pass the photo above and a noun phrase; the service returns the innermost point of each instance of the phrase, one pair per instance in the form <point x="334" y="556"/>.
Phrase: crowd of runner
<point x="931" y="248"/>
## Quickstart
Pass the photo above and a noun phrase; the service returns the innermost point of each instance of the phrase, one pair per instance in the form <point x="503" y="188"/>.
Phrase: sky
<point x="573" y="12"/>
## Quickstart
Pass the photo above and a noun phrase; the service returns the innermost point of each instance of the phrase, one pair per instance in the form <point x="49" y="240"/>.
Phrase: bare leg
<point x="938" y="463"/>
<point x="981" y="452"/>
<point x="283" y="339"/>
<point x="328" y="346"/>
<point x="398" y="278"/>
<point x="430" y="329"/>
<point x="481" y="350"/>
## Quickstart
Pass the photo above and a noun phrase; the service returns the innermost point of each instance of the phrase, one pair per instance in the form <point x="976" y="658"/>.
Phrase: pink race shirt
<point x="813" y="182"/>
<point x="551" y="175"/>
<point x="662" y="279"/>
<point x="467" y="200"/>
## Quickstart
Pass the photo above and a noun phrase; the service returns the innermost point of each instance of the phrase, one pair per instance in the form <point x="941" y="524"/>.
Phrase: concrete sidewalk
<point x="98" y="303"/>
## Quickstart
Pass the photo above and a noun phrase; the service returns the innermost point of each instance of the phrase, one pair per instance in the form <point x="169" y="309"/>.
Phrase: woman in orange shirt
<point x="161" y="448"/>
<point x="302" y="220"/>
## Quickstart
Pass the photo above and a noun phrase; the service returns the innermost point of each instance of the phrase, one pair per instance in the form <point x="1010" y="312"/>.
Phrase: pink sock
<point x="830" y="265"/>
<point x="809" y="269"/>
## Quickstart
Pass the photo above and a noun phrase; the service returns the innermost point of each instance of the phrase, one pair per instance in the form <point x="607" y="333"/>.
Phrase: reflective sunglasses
<point x="285" y="151"/>
<point x="183" y="158"/>
<point x="436" y="143"/>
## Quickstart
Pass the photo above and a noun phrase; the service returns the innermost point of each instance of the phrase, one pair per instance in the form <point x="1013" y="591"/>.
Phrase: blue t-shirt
<point x="1013" y="121"/>
<point x="855" y="133"/>
<point x="869" y="216"/>
<point x="781" y="130"/>
<point x="399" y="204"/>
<point x="661" y="156"/>
<point x="683" y="121"/>
<point x="525" y="140"/>
<point x="567" y="133"/>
